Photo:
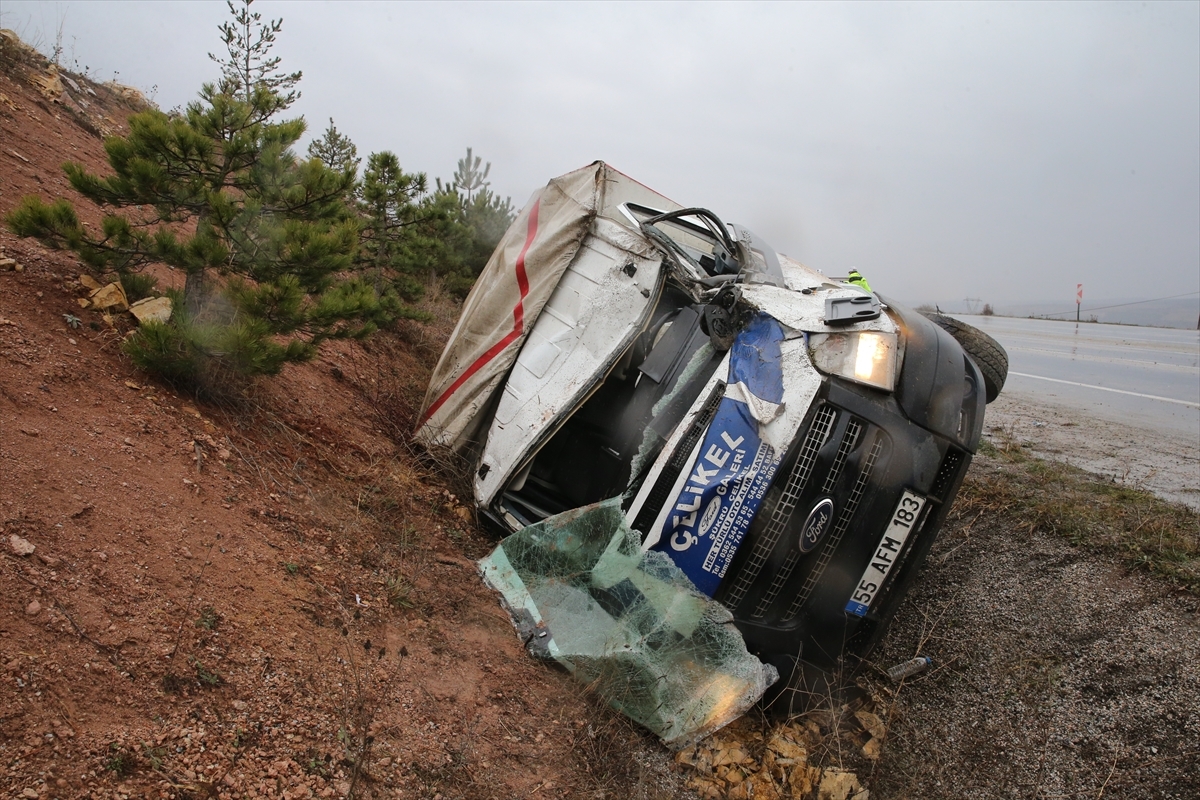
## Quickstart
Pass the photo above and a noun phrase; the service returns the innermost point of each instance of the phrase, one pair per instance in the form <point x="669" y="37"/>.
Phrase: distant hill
<point x="1180" y="312"/>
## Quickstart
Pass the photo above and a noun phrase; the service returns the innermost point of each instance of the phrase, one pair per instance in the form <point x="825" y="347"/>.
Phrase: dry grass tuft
<point x="1144" y="531"/>
<point x="607" y="747"/>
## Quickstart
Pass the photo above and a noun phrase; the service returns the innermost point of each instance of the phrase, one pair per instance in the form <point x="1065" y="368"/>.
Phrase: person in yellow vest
<point x="855" y="278"/>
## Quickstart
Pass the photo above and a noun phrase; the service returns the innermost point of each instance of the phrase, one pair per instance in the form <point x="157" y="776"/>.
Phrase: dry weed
<point x="1032" y="494"/>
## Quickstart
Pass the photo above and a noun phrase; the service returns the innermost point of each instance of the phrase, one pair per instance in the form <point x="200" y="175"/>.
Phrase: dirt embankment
<point x="263" y="599"/>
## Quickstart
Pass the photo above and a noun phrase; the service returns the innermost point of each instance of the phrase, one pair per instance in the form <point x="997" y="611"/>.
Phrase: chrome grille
<point x="835" y="538"/>
<point x="817" y="435"/>
<point x="854" y="429"/>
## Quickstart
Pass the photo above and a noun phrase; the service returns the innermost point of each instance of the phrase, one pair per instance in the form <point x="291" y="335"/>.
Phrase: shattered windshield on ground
<point x="626" y="623"/>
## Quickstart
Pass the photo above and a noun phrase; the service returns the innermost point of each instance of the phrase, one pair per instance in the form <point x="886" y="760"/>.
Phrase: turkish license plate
<point x="904" y="519"/>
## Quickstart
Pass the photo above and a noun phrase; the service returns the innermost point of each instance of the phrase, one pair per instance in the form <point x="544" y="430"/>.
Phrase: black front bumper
<point x="856" y="454"/>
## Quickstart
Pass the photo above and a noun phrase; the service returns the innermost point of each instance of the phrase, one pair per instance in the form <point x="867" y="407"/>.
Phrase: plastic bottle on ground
<point x="906" y="669"/>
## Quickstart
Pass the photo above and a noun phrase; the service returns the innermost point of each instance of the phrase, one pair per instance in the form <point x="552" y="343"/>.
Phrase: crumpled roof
<point x="511" y="291"/>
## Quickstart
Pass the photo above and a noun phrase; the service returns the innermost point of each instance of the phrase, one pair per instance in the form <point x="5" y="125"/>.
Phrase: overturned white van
<point x="791" y="442"/>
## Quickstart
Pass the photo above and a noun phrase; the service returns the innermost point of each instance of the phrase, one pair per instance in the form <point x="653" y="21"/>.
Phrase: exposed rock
<point x="22" y="547"/>
<point x="49" y="83"/>
<point x="110" y="296"/>
<point x="157" y="309"/>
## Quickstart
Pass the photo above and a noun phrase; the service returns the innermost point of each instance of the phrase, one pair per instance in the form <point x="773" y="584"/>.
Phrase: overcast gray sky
<point x="1000" y="151"/>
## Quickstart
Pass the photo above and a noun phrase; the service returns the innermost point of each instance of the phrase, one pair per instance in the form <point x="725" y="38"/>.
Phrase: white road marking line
<point x="1107" y="359"/>
<point x="1106" y="389"/>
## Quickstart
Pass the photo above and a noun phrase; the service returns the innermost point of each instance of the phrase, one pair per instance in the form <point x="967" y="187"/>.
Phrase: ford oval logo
<point x="709" y="516"/>
<point x="816" y="524"/>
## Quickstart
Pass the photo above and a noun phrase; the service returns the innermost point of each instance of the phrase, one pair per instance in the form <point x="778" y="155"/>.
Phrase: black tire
<point x="985" y="351"/>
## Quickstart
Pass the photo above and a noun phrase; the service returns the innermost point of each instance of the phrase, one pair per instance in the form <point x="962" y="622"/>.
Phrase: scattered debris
<point x="10" y="265"/>
<point x="803" y="757"/>
<point x="875" y="728"/>
<point x="838" y="785"/>
<point x="777" y="764"/>
<point x="872" y="748"/>
<point x="871" y="723"/>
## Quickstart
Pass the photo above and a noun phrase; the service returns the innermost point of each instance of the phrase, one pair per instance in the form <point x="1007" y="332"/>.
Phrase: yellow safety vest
<point x="858" y="280"/>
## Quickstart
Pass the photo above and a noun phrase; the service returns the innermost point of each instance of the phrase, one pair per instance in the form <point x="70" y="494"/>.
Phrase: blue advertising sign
<point x="733" y="467"/>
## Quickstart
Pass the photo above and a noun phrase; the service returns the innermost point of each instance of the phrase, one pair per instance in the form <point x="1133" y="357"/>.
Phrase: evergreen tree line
<point x="280" y="252"/>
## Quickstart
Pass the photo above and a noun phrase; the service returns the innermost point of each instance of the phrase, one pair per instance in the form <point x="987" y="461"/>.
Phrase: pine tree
<point x="468" y="179"/>
<point x="248" y="66"/>
<point x="389" y="201"/>
<point x="482" y="216"/>
<point x="488" y="217"/>
<point x="267" y="241"/>
<point x="335" y="150"/>
<point x="408" y="233"/>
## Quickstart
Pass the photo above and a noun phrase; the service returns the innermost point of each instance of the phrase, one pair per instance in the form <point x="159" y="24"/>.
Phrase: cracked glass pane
<point x="628" y="624"/>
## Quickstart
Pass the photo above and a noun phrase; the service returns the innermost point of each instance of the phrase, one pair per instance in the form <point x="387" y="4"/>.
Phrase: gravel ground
<point x="1126" y="454"/>
<point x="1058" y="674"/>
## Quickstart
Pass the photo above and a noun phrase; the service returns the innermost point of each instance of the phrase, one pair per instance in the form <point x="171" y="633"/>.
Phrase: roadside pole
<point x="1078" y="300"/>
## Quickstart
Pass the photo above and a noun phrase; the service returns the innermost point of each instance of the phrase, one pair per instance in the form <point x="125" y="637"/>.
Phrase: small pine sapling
<point x="268" y="242"/>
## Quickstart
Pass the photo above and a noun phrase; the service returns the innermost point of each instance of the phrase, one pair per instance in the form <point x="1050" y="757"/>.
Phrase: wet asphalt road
<point x="1144" y="377"/>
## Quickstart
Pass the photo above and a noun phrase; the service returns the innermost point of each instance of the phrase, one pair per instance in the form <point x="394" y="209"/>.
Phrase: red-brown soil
<point x="262" y="598"/>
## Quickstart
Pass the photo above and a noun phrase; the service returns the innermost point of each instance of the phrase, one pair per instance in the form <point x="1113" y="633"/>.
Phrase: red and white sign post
<point x="1078" y="299"/>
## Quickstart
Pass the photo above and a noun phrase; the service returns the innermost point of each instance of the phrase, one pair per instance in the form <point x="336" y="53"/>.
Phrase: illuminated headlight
<point x="867" y="357"/>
